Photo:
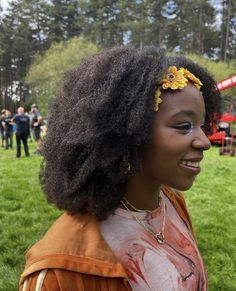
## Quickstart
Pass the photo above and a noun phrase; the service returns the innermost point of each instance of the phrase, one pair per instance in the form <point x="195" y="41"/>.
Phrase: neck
<point x="142" y="192"/>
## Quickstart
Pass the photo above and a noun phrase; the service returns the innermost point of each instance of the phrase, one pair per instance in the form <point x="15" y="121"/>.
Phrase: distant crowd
<point x="23" y="125"/>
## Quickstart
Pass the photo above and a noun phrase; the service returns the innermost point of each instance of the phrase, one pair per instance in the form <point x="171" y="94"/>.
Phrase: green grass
<point x="25" y="216"/>
<point x="24" y="213"/>
<point x="212" y="204"/>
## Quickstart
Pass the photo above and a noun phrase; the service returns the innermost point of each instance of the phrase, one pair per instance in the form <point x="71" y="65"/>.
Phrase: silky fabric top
<point x="174" y="265"/>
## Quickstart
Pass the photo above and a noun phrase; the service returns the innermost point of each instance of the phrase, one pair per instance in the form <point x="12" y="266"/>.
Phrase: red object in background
<point x="217" y="137"/>
<point x="226" y="117"/>
<point x="227" y="83"/>
<point x="221" y="136"/>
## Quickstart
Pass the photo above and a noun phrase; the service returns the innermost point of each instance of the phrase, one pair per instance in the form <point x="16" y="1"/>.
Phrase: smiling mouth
<point x="191" y="164"/>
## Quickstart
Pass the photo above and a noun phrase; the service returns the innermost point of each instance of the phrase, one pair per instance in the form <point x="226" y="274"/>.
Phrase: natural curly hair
<point x="102" y="116"/>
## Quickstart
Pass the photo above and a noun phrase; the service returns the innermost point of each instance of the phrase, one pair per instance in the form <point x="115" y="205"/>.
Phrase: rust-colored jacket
<point x="76" y="257"/>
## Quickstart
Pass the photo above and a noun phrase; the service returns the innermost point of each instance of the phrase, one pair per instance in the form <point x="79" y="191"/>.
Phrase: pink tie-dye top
<point x="175" y="265"/>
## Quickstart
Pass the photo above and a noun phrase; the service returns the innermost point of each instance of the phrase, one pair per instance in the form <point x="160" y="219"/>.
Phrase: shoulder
<point x="71" y="239"/>
<point x="58" y="248"/>
<point x="73" y="245"/>
<point x="56" y="242"/>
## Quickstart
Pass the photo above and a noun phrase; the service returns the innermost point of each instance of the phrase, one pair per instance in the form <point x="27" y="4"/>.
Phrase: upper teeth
<point x="191" y="164"/>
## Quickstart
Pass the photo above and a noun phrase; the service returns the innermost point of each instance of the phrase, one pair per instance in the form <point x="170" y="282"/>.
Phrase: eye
<point x="203" y="125"/>
<point x="185" y="127"/>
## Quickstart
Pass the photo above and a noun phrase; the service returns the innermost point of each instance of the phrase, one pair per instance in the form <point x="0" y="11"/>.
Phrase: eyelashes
<point x="187" y="127"/>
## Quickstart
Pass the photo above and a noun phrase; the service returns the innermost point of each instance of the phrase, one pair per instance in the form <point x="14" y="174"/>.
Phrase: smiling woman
<point x="178" y="139"/>
<point x="125" y="136"/>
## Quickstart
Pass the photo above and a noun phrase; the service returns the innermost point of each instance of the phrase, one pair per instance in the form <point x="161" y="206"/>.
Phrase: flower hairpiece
<point x="175" y="79"/>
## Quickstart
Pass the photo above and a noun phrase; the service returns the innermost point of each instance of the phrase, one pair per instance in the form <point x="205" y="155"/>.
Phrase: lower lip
<point x="192" y="170"/>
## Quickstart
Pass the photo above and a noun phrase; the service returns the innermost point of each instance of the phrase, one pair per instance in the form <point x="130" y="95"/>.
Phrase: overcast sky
<point x="4" y="3"/>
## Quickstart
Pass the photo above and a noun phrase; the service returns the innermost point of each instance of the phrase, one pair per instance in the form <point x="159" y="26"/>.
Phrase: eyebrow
<point x="184" y="112"/>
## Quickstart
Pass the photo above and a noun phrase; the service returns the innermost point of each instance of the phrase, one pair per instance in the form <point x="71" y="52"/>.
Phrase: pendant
<point x="160" y="238"/>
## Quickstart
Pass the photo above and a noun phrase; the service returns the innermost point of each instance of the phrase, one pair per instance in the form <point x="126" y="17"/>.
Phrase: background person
<point x="1" y="127"/>
<point x="124" y="137"/>
<point x="36" y="122"/>
<point x="30" y="128"/>
<point x="8" y="129"/>
<point x="22" y="131"/>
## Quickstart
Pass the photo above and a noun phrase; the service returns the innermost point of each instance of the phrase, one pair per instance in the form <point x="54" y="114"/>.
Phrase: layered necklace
<point x="159" y="236"/>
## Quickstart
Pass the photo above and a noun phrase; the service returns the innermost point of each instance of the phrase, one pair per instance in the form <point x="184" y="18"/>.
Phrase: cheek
<point x="164" y="153"/>
<point x="168" y="141"/>
<point x="156" y="159"/>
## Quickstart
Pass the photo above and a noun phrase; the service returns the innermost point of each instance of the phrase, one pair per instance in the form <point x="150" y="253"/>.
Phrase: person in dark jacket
<point x="7" y="124"/>
<point x="22" y="131"/>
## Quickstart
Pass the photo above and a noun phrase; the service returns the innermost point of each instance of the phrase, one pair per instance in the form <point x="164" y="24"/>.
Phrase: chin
<point x="184" y="188"/>
<point x="181" y="186"/>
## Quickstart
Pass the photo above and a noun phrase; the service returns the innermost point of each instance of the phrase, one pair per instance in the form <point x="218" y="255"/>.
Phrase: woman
<point x="126" y="132"/>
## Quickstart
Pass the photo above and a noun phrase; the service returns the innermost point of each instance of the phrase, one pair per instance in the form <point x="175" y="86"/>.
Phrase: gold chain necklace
<point x="134" y="208"/>
<point x="158" y="236"/>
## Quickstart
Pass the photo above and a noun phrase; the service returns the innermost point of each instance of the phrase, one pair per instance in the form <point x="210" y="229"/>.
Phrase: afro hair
<point x="101" y="117"/>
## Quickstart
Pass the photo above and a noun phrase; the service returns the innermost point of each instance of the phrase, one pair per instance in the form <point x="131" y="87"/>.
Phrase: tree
<point x="23" y="33"/>
<point x="46" y="72"/>
<point x="228" y="30"/>
<point x="65" y="19"/>
<point x="39" y="23"/>
<point x="160" y="15"/>
<point x="192" y="34"/>
<point x="103" y="21"/>
<point x="30" y="27"/>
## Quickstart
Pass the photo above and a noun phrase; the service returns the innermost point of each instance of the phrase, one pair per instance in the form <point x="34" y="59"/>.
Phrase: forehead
<point x="186" y="100"/>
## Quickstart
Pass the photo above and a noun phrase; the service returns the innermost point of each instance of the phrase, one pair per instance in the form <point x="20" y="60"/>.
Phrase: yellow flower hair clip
<point x="175" y="79"/>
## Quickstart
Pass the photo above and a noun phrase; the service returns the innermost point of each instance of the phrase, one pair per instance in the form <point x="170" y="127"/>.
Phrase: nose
<point x="201" y="141"/>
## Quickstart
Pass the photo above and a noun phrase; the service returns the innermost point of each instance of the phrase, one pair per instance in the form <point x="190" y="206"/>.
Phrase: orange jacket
<point x="73" y="256"/>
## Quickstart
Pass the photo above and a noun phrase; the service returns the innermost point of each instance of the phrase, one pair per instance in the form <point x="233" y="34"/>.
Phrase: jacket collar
<point x="74" y="242"/>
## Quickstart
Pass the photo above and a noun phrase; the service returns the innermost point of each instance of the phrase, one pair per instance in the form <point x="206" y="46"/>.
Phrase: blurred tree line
<point x="30" y="27"/>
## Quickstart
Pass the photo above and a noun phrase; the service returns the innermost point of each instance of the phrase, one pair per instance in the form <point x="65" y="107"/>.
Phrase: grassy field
<point x="25" y="216"/>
